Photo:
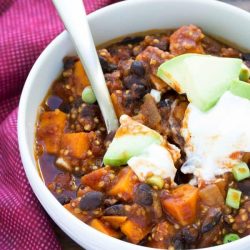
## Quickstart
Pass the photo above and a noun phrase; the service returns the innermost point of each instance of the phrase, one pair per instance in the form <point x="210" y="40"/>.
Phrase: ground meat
<point x="113" y="81"/>
<point x="211" y="46"/>
<point x="230" y="52"/>
<point x="242" y="222"/>
<point x="152" y="58"/>
<point x="186" y="39"/>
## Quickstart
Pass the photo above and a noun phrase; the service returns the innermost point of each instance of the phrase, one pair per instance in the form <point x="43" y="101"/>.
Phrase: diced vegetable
<point x="233" y="198"/>
<point x="211" y="195"/>
<point x="88" y="95"/>
<point x="244" y="73"/>
<point x="115" y="221"/>
<point x="241" y="171"/>
<point x="155" y="181"/>
<point x="77" y="144"/>
<point x="134" y="232"/>
<point x="222" y="185"/>
<point x="117" y="102"/>
<point x="50" y="129"/>
<point x="100" y="226"/>
<point x="94" y="178"/>
<point x="80" y="78"/>
<point x="150" y="111"/>
<point x="124" y="184"/>
<point x="181" y="204"/>
<point x="230" y="237"/>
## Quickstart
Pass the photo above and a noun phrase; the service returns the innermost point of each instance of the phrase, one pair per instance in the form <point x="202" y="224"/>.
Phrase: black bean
<point x="189" y="234"/>
<point x="178" y="241"/>
<point x="137" y="68"/>
<point x="132" y="40"/>
<point x="68" y="62"/>
<point x="53" y="102"/>
<point x="246" y="56"/>
<point x="63" y="199"/>
<point x="244" y="186"/>
<point x="211" y="220"/>
<point x="106" y="66"/>
<point x="65" y="107"/>
<point x="115" y="210"/>
<point x="128" y="81"/>
<point x="143" y="195"/>
<point x="91" y="200"/>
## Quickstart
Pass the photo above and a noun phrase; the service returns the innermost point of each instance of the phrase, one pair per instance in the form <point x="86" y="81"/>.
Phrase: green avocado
<point x="241" y="89"/>
<point x="130" y="140"/>
<point x="203" y="78"/>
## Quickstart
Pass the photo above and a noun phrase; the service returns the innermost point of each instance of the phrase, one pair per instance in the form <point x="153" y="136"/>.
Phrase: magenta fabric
<point x="26" y="28"/>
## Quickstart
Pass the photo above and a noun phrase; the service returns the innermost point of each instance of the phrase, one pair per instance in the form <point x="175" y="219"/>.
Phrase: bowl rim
<point x="36" y="183"/>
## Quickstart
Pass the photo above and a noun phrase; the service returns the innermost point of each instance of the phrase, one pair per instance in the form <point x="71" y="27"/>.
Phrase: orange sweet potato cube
<point x="116" y="100"/>
<point x="134" y="232"/>
<point x="181" y="204"/>
<point x="124" y="184"/>
<point x="114" y="220"/>
<point x="50" y="130"/>
<point x="100" y="226"/>
<point x="77" y="144"/>
<point x="80" y="78"/>
<point x="94" y="178"/>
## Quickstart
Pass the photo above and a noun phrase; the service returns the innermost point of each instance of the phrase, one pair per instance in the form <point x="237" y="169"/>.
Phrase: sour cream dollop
<point x="215" y="140"/>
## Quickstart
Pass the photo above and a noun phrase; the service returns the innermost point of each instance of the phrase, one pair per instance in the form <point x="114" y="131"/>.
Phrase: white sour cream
<point x="216" y="139"/>
<point x="155" y="160"/>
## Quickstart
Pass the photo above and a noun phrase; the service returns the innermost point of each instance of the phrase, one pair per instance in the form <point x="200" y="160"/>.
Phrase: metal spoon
<point x="74" y="17"/>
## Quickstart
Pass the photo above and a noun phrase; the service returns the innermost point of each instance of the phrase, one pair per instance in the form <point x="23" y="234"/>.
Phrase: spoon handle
<point x="74" y="17"/>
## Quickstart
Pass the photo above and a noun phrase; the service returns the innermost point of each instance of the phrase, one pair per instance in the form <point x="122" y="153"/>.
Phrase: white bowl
<point x="215" y="18"/>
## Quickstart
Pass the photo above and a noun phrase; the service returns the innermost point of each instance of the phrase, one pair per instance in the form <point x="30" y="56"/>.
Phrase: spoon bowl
<point x="74" y="17"/>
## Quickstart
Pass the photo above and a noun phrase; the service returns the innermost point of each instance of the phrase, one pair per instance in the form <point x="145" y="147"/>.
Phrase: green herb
<point x="233" y="198"/>
<point x="230" y="237"/>
<point x="241" y="171"/>
<point x="155" y="181"/>
<point x="88" y="95"/>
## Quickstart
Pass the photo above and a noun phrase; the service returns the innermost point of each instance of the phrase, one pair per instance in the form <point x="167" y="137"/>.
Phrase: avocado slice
<point x="203" y="78"/>
<point x="130" y="140"/>
<point x="170" y="70"/>
<point x="241" y="89"/>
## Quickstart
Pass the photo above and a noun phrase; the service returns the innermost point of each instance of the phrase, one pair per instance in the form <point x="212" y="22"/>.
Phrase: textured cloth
<point x="26" y="28"/>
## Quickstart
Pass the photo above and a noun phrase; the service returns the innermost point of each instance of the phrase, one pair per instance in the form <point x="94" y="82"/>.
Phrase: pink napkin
<point x="26" y="27"/>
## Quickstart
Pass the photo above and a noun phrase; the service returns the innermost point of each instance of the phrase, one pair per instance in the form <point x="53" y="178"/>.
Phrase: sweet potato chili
<point x="71" y="140"/>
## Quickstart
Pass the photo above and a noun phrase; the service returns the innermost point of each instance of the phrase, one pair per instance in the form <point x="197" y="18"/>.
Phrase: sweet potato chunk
<point x="80" y="78"/>
<point x="124" y="184"/>
<point x="76" y="143"/>
<point x="181" y="204"/>
<point x="134" y="232"/>
<point x="115" y="221"/>
<point x="94" y="178"/>
<point x="100" y="226"/>
<point x="117" y="104"/>
<point x="50" y="130"/>
<point x="186" y="39"/>
<point x="211" y="195"/>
